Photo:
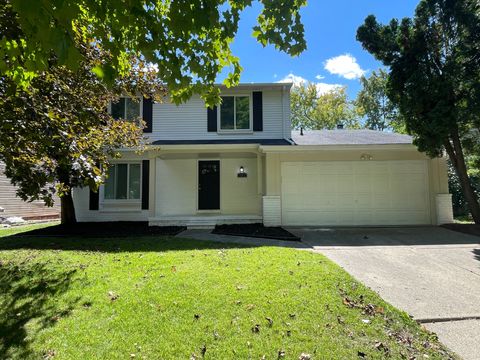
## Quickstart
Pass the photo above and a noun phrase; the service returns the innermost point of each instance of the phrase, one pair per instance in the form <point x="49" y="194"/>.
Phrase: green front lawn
<point x="172" y="298"/>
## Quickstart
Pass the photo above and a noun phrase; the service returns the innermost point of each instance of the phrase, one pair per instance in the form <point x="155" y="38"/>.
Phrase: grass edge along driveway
<point x="174" y="298"/>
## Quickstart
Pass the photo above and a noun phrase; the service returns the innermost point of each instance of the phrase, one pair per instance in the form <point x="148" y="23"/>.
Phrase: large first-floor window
<point x="123" y="182"/>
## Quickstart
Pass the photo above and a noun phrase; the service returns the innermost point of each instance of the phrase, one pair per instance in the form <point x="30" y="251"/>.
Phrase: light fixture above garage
<point x="241" y="172"/>
<point x="366" y="157"/>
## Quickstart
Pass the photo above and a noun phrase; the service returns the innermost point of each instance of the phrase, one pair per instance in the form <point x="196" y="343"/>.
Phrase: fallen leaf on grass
<point x="113" y="296"/>
<point x="250" y="307"/>
<point x="174" y="268"/>
<point x="49" y="354"/>
<point x="348" y="302"/>
<point x="270" y="321"/>
<point x="281" y="354"/>
<point x="304" y="356"/>
<point x="87" y="304"/>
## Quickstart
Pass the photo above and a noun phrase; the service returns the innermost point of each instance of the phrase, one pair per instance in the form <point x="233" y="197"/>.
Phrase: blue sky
<point x="330" y="30"/>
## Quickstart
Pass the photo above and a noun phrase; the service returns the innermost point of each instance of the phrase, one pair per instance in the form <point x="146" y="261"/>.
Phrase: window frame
<point x="250" y="115"/>
<point x="140" y="102"/>
<point x="124" y="201"/>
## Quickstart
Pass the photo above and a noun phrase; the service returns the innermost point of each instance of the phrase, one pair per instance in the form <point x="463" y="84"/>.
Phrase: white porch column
<point x="272" y="213"/>
<point x="272" y="207"/>
<point x="444" y="209"/>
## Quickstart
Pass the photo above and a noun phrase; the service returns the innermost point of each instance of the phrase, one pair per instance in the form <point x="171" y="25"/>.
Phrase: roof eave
<point x="339" y="147"/>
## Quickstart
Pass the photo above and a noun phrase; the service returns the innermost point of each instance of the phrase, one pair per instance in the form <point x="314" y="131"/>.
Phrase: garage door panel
<point x="362" y="183"/>
<point x="346" y="200"/>
<point x="355" y="193"/>
<point x="381" y="201"/>
<point x="345" y="183"/>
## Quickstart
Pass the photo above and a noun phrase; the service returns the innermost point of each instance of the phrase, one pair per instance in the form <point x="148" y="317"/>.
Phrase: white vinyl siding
<point x="14" y="206"/>
<point x="355" y="193"/>
<point x="189" y="121"/>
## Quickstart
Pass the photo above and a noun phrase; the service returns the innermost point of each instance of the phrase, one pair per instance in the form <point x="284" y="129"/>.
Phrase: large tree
<point x="314" y="110"/>
<point x="374" y="105"/>
<point x="434" y="77"/>
<point x="56" y="134"/>
<point x="189" y="41"/>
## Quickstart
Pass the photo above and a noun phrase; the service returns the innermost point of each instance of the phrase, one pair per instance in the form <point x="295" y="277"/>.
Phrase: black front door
<point x="209" y="185"/>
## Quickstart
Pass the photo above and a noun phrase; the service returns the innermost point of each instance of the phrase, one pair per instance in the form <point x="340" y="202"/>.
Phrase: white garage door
<point x="355" y="193"/>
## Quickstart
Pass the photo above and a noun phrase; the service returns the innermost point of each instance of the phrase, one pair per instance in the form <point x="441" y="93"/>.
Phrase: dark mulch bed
<point x="256" y="231"/>
<point x="106" y="229"/>
<point x="471" y="229"/>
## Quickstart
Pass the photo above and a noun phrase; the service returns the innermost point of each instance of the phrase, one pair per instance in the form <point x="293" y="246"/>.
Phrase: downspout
<point x="283" y="112"/>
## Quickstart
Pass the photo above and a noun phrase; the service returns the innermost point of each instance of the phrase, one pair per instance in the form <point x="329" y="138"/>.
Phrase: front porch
<point x="203" y="186"/>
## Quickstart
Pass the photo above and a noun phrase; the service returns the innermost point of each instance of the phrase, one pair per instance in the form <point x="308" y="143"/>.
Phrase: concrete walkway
<point x="429" y="272"/>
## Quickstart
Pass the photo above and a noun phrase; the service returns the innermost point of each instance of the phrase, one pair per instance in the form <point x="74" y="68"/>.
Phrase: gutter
<point x="306" y="148"/>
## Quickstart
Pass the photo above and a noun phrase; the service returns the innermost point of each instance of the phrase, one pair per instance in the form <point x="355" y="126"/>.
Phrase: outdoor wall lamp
<point x="241" y="172"/>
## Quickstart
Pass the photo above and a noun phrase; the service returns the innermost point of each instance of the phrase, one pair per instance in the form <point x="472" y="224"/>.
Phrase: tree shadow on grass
<point x="27" y="293"/>
<point x="142" y="243"/>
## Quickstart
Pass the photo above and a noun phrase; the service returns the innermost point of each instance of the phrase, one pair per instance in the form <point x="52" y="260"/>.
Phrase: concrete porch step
<point x="203" y="221"/>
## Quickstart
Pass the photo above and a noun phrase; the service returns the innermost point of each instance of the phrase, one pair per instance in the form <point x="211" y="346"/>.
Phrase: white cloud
<point x="319" y="77"/>
<point x="322" y="87"/>
<point x="345" y="66"/>
<point x="296" y="80"/>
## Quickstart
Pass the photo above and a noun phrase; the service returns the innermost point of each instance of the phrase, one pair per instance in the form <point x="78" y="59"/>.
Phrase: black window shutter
<point x="93" y="200"/>
<point x="212" y="119"/>
<point x="148" y="114"/>
<point x="257" y="111"/>
<point x="145" y="183"/>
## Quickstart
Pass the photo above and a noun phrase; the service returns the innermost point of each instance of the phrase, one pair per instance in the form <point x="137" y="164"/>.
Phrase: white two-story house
<point x="241" y="163"/>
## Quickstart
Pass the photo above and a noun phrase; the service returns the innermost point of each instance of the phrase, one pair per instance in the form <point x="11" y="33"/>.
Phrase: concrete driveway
<point x="431" y="273"/>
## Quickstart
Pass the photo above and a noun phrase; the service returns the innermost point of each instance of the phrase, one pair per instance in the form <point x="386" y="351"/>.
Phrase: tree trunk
<point x="455" y="152"/>
<point x="68" y="209"/>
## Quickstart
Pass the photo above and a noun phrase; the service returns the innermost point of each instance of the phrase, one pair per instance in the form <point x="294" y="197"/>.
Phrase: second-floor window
<point x="123" y="182"/>
<point x="126" y="108"/>
<point x="235" y="113"/>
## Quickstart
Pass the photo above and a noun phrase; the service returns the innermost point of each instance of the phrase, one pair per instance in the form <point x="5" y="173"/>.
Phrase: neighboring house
<point x="241" y="163"/>
<point x="13" y="206"/>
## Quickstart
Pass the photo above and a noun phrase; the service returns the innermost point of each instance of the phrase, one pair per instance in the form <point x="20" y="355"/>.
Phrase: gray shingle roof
<point x="349" y="137"/>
